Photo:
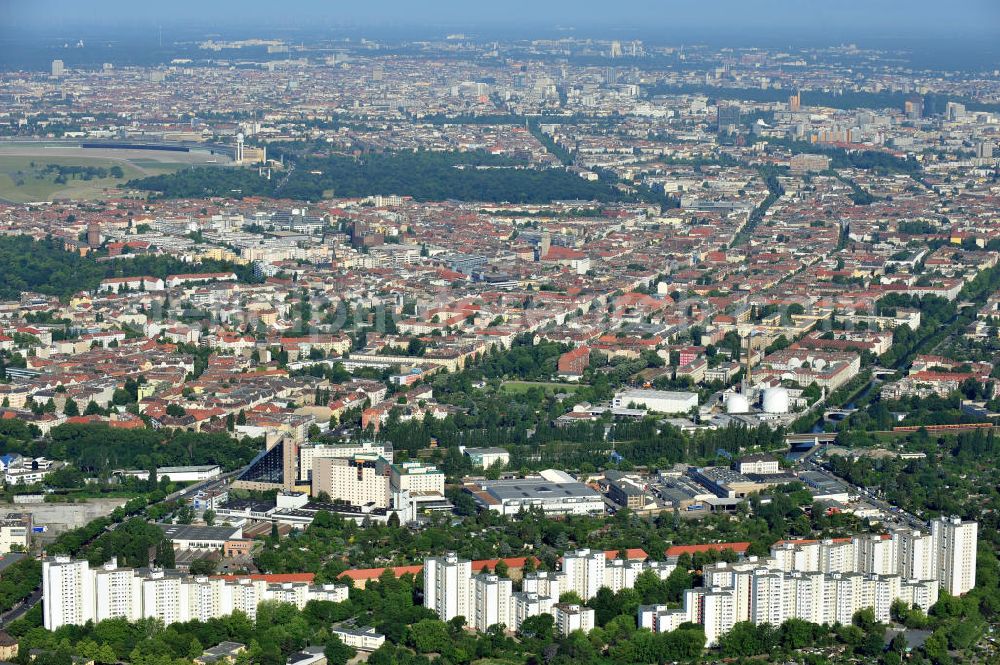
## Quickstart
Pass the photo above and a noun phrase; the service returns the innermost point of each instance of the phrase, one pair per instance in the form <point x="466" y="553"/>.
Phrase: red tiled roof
<point x="276" y="578"/>
<point x="677" y="550"/>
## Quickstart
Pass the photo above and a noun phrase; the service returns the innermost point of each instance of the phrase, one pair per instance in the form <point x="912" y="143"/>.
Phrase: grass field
<point x="24" y="178"/>
<point x="517" y="387"/>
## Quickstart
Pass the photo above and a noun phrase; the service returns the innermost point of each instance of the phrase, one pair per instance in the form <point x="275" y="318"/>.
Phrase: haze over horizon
<point x="841" y="20"/>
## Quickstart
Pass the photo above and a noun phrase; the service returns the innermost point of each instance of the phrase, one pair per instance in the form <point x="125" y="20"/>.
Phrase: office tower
<point x="290" y="464"/>
<point x="616" y="49"/>
<point x="955" y="553"/>
<point x="492" y="596"/>
<point x="68" y="592"/>
<point x="93" y="235"/>
<point x="447" y="586"/>
<point x="913" y="107"/>
<point x="58" y="68"/>
<point x="795" y="102"/>
<point x="984" y="149"/>
<point x="729" y="118"/>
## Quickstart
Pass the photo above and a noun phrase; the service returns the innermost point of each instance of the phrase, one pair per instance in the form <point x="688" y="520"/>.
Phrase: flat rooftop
<point x="190" y="532"/>
<point x="512" y="490"/>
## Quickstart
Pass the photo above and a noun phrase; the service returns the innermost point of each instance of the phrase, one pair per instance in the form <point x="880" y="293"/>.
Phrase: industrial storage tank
<point x="737" y="403"/>
<point x="776" y="400"/>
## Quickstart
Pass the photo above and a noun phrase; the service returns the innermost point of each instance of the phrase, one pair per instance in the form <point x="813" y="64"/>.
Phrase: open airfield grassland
<point x="23" y="176"/>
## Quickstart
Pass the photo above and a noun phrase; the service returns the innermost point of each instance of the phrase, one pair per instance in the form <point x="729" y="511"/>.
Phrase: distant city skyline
<point x="889" y="18"/>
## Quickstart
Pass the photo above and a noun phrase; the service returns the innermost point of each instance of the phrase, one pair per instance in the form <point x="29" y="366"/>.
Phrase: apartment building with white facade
<point x="73" y="593"/>
<point x="355" y="480"/>
<point x="955" y="542"/>
<point x="448" y="586"/>
<point x="451" y="590"/>
<point x="828" y="581"/>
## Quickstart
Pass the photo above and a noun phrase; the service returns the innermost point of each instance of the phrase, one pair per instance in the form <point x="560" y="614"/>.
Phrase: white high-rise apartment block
<point x="543" y="583"/>
<point x="876" y="554"/>
<point x="74" y="593"/>
<point x="836" y="556"/>
<point x="810" y="601"/>
<point x="767" y="603"/>
<point x="915" y="554"/>
<point x="620" y="574"/>
<point x="448" y="586"/>
<point x="662" y="618"/>
<point x="492" y="601"/>
<point x="955" y="553"/>
<point x="528" y="604"/>
<point x="415" y="477"/>
<point x="713" y="609"/>
<point x="68" y="590"/>
<point x="570" y="617"/>
<point x="583" y="572"/>
<point x="118" y="591"/>
<point x="161" y="597"/>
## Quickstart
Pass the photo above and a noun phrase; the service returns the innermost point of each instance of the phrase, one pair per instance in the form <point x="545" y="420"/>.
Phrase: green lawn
<point x="518" y="387"/>
<point x="23" y="178"/>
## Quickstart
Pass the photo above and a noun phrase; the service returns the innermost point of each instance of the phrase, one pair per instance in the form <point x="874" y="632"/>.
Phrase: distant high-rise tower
<point x="984" y="150"/>
<point x="58" y="67"/>
<point x="729" y="118"/>
<point x="795" y="102"/>
<point x="94" y="234"/>
<point x="913" y="107"/>
<point x="616" y="49"/>
<point x="544" y="245"/>
<point x="239" y="148"/>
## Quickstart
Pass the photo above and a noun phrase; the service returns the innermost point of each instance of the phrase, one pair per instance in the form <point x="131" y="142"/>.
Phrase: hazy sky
<point x="893" y="18"/>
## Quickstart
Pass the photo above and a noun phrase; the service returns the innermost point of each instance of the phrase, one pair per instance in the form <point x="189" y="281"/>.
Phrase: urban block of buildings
<point x="74" y="592"/>
<point x="824" y="581"/>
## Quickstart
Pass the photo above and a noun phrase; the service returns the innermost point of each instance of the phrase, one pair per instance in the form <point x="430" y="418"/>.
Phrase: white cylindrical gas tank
<point x="737" y="403"/>
<point x="776" y="400"/>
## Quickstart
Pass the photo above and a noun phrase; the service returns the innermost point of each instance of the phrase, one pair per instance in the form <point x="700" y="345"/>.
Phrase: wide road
<point x="21" y="608"/>
<point x="893" y="513"/>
